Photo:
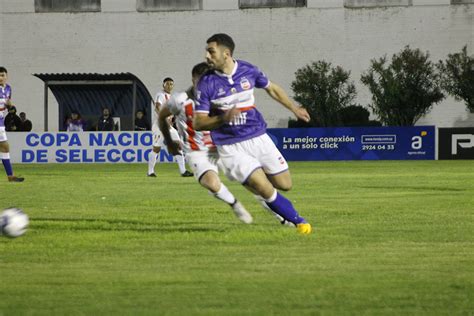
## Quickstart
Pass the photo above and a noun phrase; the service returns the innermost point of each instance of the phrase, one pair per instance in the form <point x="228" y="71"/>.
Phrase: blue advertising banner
<point x="83" y="147"/>
<point x="355" y="143"/>
<point x="296" y="144"/>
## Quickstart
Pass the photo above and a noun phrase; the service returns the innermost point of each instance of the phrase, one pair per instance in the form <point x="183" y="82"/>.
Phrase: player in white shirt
<point x="200" y="151"/>
<point x="160" y="99"/>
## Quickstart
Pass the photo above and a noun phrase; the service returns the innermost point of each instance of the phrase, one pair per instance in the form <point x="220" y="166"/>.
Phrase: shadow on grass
<point x="415" y="188"/>
<point x="88" y="224"/>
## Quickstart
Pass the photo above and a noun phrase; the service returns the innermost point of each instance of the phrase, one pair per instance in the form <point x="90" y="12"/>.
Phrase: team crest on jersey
<point x="245" y="83"/>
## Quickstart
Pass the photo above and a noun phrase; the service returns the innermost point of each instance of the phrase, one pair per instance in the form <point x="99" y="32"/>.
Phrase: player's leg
<point x="276" y="168"/>
<point x="242" y="164"/>
<point x="204" y="165"/>
<point x="180" y="158"/>
<point x="154" y="153"/>
<point x="210" y="180"/>
<point x="263" y="203"/>
<point x="5" y="157"/>
<point x="182" y="165"/>
<point x="281" y="181"/>
<point x="273" y="163"/>
<point x="258" y="183"/>
<point x="152" y="158"/>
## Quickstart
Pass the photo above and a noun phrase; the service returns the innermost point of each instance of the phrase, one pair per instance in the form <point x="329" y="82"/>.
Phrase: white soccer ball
<point x="13" y="222"/>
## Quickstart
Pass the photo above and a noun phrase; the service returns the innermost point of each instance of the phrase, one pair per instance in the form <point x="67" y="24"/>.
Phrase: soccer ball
<point x="13" y="222"/>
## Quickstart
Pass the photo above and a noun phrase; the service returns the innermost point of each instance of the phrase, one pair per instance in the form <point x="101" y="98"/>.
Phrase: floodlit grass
<point x="391" y="238"/>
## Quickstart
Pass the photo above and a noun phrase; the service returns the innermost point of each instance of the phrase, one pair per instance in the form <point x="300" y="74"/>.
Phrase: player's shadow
<point x="415" y="188"/>
<point x="89" y="224"/>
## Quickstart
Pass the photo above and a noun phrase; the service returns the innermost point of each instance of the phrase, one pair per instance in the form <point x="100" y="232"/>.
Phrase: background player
<point x="226" y="105"/>
<point x="198" y="147"/>
<point x="5" y="104"/>
<point x="160" y="99"/>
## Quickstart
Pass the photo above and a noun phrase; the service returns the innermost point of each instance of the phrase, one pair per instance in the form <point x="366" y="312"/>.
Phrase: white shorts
<point x="159" y="140"/>
<point x="242" y="159"/>
<point x="3" y="135"/>
<point x="202" y="161"/>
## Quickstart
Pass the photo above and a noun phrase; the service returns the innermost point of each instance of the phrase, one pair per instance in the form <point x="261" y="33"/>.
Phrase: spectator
<point x="75" y="123"/>
<point x="5" y="105"/>
<point x="26" y="125"/>
<point x="106" y="122"/>
<point x="141" y="123"/>
<point x="12" y="120"/>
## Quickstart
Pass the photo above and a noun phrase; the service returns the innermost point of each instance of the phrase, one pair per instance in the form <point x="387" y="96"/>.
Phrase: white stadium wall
<point x="154" y="45"/>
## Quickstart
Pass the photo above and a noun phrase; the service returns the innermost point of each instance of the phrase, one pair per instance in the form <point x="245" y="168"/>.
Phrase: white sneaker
<point x="241" y="213"/>
<point x="281" y="219"/>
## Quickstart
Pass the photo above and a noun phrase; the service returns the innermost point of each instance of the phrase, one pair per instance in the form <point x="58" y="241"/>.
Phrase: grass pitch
<point x="392" y="237"/>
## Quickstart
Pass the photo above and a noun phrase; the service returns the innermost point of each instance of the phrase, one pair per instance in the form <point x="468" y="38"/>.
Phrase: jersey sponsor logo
<point x="243" y="99"/>
<point x="241" y="119"/>
<point x="220" y="91"/>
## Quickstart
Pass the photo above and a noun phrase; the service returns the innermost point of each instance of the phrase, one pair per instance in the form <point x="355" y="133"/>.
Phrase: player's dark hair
<point x="3" y="69"/>
<point x="200" y="69"/>
<point x="224" y="40"/>
<point x="167" y="79"/>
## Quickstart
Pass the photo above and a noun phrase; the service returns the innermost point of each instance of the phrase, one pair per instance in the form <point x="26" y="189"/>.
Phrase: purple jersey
<point x="218" y="92"/>
<point x="5" y="95"/>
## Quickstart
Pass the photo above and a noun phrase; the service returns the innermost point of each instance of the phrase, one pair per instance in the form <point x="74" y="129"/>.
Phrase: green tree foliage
<point x="356" y="115"/>
<point x="323" y="90"/>
<point x="457" y="77"/>
<point x="405" y="90"/>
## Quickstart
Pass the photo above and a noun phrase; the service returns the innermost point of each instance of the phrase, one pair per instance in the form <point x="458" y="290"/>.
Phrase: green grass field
<point x="390" y="237"/>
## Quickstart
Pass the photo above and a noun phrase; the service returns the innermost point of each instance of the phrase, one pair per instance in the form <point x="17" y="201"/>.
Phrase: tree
<point x="457" y="77"/>
<point x="405" y="90"/>
<point x="323" y="91"/>
<point x="356" y="115"/>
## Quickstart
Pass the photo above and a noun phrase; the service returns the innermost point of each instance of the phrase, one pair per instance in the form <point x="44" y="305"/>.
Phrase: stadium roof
<point x="89" y="93"/>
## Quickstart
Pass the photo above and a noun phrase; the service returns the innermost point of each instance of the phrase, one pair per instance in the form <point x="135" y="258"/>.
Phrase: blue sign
<point x="355" y="143"/>
<point x="83" y="147"/>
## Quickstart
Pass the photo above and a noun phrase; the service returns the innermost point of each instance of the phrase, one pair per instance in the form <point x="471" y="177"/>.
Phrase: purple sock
<point x="8" y="166"/>
<point x="285" y="209"/>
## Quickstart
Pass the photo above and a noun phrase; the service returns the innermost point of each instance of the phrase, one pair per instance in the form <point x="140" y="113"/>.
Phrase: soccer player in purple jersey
<point x="5" y="104"/>
<point x="225" y="105"/>
<point x="201" y="153"/>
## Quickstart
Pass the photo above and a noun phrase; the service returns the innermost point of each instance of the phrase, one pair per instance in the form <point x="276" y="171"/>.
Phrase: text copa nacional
<point x="71" y="144"/>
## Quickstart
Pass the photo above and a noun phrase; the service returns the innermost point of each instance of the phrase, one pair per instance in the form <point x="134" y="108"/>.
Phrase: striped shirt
<point x="182" y="107"/>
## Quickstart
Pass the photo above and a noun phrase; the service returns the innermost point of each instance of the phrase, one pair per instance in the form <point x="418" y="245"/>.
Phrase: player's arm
<point x="278" y="94"/>
<point x="163" y="123"/>
<point x="204" y="122"/>
<point x="157" y="107"/>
